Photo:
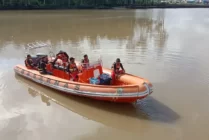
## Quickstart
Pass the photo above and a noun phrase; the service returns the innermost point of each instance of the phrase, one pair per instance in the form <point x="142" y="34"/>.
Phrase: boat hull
<point x="126" y="93"/>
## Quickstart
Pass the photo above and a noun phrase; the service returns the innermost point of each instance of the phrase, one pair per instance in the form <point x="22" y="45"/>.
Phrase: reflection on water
<point x="34" y="93"/>
<point x="107" y="34"/>
<point x="133" y="36"/>
<point x="148" y="109"/>
<point x="136" y="27"/>
<point x="155" y="110"/>
<point x="168" y="47"/>
<point x="67" y="26"/>
<point x="147" y="33"/>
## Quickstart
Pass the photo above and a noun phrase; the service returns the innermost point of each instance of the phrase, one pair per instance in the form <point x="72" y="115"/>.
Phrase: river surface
<point x="168" y="47"/>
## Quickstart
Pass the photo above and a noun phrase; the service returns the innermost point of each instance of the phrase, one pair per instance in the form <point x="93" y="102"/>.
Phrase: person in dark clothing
<point x="42" y="65"/>
<point x="117" y="67"/>
<point x="29" y="62"/>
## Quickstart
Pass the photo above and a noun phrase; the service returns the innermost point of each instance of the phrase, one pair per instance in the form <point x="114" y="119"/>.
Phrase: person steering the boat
<point x="42" y="65"/>
<point x="73" y="69"/>
<point x="29" y="62"/>
<point x="85" y="61"/>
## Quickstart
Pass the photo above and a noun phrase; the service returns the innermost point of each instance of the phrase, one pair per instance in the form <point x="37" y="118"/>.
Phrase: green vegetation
<point x="62" y="3"/>
<point x="71" y="4"/>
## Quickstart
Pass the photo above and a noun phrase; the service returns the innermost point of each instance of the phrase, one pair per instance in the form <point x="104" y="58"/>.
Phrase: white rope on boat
<point x="35" y="45"/>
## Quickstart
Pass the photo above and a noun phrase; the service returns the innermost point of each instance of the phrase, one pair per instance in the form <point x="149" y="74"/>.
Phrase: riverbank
<point x="169" y="6"/>
<point x="55" y="7"/>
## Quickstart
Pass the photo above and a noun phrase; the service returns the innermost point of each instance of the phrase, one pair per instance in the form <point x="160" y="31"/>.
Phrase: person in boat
<point x="85" y="61"/>
<point x="117" y="68"/>
<point x="73" y="69"/>
<point x="42" y="65"/>
<point x="62" y="56"/>
<point x="29" y="62"/>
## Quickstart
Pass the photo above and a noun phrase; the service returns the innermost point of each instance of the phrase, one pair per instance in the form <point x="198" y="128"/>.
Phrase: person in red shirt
<point x="85" y="61"/>
<point x="29" y="62"/>
<point x="73" y="69"/>
<point x="117" y="69"/>
<point x="62" y="56"/>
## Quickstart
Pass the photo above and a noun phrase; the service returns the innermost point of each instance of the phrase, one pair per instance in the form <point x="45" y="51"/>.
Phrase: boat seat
<point x="55" y="66"/>
<point x="61" y="68"/>
<point x="92" y="72"/>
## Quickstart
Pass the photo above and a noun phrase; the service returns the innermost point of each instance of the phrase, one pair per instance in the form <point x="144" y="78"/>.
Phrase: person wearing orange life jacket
<point x="72" y="69"/>
<point x="62" y="56"/>
<point x="29" y="62"/>
<point x="85" y="61"/>
<point x="117" y="68"/>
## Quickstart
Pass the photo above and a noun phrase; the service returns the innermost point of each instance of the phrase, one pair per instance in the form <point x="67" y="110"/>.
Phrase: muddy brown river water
<point x="168" y="47"/>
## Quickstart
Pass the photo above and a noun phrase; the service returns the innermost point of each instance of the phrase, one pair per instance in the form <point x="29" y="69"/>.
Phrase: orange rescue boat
<point x="126" y="88"/>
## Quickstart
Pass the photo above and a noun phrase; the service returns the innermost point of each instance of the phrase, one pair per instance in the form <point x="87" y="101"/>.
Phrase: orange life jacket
<point x="72" y="67"/>
<point x="65" y="64"/>
<point x="62" y="57"/>
<point x="86" y="63"/>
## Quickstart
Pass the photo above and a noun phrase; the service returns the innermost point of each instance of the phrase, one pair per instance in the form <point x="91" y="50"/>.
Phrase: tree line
<point x="71" y="3"/>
